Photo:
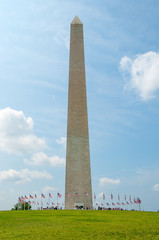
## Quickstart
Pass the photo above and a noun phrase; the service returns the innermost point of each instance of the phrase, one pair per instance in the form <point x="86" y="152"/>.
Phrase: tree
<point x="20" y="206"/>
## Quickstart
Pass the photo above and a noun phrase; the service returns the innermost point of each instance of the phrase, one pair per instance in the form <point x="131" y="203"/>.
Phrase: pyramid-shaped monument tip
<point x="76" y="20"/>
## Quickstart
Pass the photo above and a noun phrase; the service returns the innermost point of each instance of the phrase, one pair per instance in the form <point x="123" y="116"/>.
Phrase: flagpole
<point x="130" y="201"/>
<point x="18" y="203"/>
<point x="49" y="201"/>
<point x="85" y="201"/>
<point x="139" y="202"/>
<point x="134" y="204"/>
<point x="28" y="202"/>
<point x="35" y="200"/>
<point x="103" y="199"/>
<point x="125" y="203"/>
<point x="119" y="202"/>
<point x="112" y="199"/>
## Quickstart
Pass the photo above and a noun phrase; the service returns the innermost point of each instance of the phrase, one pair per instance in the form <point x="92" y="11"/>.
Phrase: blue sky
<point x="122" y="75"/>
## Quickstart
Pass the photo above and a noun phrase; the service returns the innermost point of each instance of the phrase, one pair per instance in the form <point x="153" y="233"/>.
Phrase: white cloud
<point x="23" y="175"/>
<point x="36" y="174"/>
<point x="16" y="133"/>
<point x="142" y="74"/>
<point x="155" y="187"/>
<point x="48" y="189"/>
<point x="100" y="195"/>
<point x="62" y="141"/>
<point x="107" y="181"/>
<point x="41" y="159"/>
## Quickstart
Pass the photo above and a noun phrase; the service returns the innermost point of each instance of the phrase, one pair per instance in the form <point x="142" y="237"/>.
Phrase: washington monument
<point x="78" y="188"/>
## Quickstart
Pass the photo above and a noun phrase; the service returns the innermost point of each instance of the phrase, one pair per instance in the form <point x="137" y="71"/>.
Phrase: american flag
<point x="31" y="196"/>
<point x="53" y="203"/>
<point x="67" y="194"/>
<point x="111" y="196"/>
<point x="59" y="194"/>
<point x="103" y="196"/>
<point x="19" y="199"/>
<point x="123" y="203"/>
<point x="26" y="197"/>
<point x="29" y="202"/>
<point x="130" y="198"/>
<point x="42" y="195"/>
<point x="96" y="204"/>
<point x="102" y="204"/>
<point x="50" y="195"/>
<point x="118" y="197"/>
<point x="107" y="204"/>
<point x="94" y="196"/>
<point x="128" y="203"/>
<point x="86" y="194"/>
<point x="37" y="203"/>
<point x="118" y="203"/>
<point x="47" y="203"/>
<point x="113" y="204"/>
<point x="138" y="200"/>
<point x="76" y="194"/>
<point x="35" y="196"/>
<point x="22" y="198"/>
<point x="58" y="204"/>
<point x="125" y="197"/>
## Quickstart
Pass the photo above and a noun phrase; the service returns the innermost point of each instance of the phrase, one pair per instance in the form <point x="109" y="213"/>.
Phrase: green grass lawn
<point x="78" y="224"/>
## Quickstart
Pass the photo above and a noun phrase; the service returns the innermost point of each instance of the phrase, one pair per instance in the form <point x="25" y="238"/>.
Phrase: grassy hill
<point x="78" y="224"/>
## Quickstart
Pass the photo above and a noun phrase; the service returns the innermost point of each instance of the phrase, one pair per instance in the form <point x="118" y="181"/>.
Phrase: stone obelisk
<point x="78" y="188"/>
